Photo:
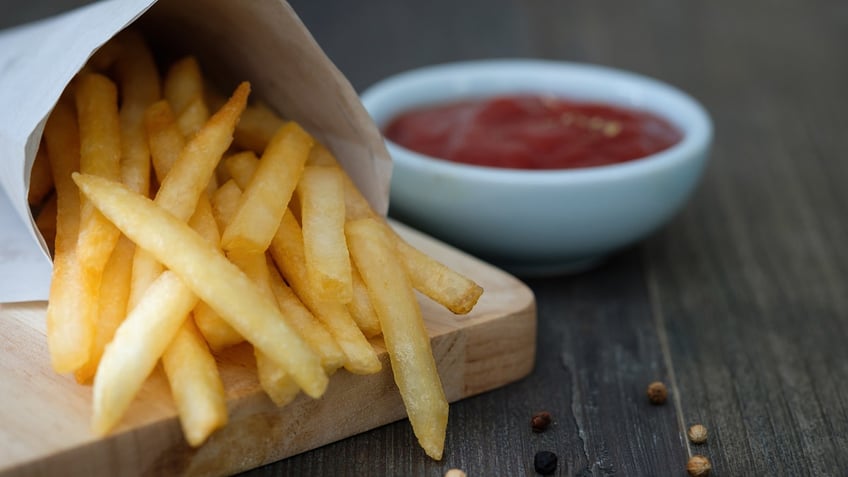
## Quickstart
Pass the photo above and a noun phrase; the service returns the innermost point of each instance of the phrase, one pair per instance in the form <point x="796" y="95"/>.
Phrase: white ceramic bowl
<point x="534" y="222"/>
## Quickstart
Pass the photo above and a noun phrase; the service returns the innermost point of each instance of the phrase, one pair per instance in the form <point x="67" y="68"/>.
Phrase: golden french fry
<point x="138" y="80"/>
<point x="100" y="154"/>
<point x="145" y="269"/>
<point x="46" y="222"/>
<point x="165" y="138"/>
<point x="241" y="167"/>
<point x="436" y="280"/>
<point x="287" y="250"/>
<point x="193" y="116"/>
<point x="211" y="277"/>
<point x="264" y="200"/>
<point x="111" y="307"/>
<point x="322" y="217"/>
<point x="183" y="83"/>
<point x="312" y="330"/>
<point x="406" y="338"/>
<point x="360" y="307"/>
<point x="70" y="311"/>
<point x="257" y="126"/>
<point x="139" y="342"/>
<point x="224" y="203"/>
<point x="40" y="178"/>
<point x="195" y="384"/>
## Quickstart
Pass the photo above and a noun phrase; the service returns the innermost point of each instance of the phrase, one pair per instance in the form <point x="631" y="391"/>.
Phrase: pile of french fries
<point x="183" y="222"/>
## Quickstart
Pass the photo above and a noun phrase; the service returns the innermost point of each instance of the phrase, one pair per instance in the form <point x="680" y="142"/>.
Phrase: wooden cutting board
<point x="44" y="417"/>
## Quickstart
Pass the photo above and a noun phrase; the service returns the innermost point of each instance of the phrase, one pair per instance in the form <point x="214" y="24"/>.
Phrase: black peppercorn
<point x="545" y="462"/>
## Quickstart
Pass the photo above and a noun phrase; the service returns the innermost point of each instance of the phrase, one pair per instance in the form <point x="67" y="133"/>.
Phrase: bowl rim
<point x="697" y="135"/>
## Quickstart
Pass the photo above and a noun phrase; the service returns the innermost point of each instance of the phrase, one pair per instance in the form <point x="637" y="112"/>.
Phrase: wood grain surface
<point x="740" y="304"/>
<point x="46" y="416"/>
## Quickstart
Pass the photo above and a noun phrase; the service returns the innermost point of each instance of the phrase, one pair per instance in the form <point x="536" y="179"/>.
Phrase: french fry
<point x="256" y="128"/>
<point x="164" y="135"/>
<point x="436" y="280"/>
<point x="287" y="250"/>
<point x="183" y="83"/>
<point x="264" y="200"/>
<point x="224" y="203"/>
<point x="210" y="276"/>
<point x="138" y="344"/>
<point x="40" y="178"/>
<point x="241" y="167"/>
<point x="138" y="80"/>
<point x="111" y="306"/>
<point x="70" y="311"/>
<point x="100" y="154"/>
<point x="406" y="338"/>
<point x="322" y="216"/>
<point x="195" y="384"/>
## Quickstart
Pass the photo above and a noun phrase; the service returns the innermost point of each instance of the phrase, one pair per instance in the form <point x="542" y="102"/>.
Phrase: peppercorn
<point x="698" y="466"/>
<point x="545" y="462"/>
<point x="540" y="421"/>
<point x="455" y="473"/>
<point x="657" y="392"/>
<point x="697" y="434"/>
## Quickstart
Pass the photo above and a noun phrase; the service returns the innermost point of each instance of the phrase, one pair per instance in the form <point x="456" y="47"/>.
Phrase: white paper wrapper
<point x="260" y="41"/>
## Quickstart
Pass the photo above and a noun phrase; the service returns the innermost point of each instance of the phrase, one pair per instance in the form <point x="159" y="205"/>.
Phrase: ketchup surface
<point x="532" y="132"/>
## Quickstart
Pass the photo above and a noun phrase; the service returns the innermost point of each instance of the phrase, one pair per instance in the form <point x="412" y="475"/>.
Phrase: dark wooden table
<point x="740" y="304"/>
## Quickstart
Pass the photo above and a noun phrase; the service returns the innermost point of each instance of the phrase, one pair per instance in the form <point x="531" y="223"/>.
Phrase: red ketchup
<point x="532" y="132"/>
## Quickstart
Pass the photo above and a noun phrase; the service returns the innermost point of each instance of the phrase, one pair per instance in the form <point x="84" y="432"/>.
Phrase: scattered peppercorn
<point x="545" y="462"/>
<point x="540" y="421"/>
<point x="455" y="473"/>
<point x="698" y="434"/>
<point x="698" y="466"/>
<point x="657" y="392"/>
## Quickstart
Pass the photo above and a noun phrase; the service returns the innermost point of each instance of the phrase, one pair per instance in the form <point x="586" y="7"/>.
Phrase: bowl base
<point x="548" y="269"/>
